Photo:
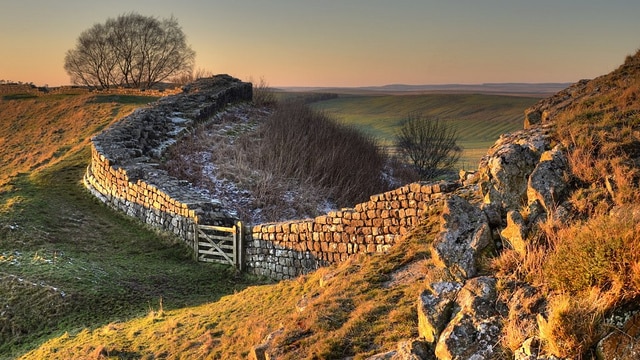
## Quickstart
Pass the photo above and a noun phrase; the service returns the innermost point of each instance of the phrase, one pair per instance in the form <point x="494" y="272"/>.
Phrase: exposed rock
<point x="547" y="183"/>
<point x="435" y="308"/>
<point x="383" y="356"/>
<point x="516" y="231"/>
<point x="546" y="110"/>
<point x="259" y="352"/>
<point x="475" y="330"/>
<point x="464" y="235"/>
<point x="504" y="172"/>
<point x="413" y="350"/>
<point x="622" y="344"/>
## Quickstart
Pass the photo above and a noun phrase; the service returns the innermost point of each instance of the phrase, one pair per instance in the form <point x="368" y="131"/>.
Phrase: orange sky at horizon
<point x="347" y="43"/>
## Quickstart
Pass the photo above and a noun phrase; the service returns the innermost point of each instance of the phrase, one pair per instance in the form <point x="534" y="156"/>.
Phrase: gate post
<point x="240" y="245"/>
<point x="196" y="246"/>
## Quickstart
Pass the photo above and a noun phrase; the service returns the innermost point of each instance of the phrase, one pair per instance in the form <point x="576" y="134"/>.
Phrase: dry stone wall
<point x="124" y="171"/>
<point x="287" y="249"/>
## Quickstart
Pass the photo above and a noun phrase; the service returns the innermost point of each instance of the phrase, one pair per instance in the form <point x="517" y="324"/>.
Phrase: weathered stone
<point x="622" y="344"/>
<point x="504" y="172"/>
<point x="464" y="234"/>
<point x="259" y="352"/>
<point x="547" y="183"/>
<point x="516" y="231"/>
<point x="474" y="331"/>
<point x="435" y="308"/>
<point x="532" y="117"/>
<point x="413" y="350"/>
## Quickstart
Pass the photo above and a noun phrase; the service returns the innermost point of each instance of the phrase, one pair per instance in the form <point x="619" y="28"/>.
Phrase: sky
<point x="348" y="42"/>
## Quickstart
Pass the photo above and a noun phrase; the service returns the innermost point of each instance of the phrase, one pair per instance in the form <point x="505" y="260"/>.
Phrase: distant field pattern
<point x="480" y="119"/>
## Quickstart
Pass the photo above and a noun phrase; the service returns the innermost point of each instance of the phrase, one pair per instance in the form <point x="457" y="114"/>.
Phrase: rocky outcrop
<point x="464" y="236"/>
<point x="544" y="111"/>
<point x="476" y="324"/>
<point x="622" y="343"/>
<point x="504" y="172"/>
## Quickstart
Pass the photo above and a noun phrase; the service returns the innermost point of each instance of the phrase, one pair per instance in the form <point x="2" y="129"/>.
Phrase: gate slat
<point x="216" y="247"/>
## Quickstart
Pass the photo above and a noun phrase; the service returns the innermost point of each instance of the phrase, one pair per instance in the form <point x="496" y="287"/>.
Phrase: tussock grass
<point x="588" y="264"/>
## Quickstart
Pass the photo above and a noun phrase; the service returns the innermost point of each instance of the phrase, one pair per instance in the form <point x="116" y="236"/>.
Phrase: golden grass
<point x="338" y="311"/>
<point x="586" y="266"/>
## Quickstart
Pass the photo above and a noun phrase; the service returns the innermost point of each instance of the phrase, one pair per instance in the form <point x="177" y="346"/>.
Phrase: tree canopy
<point x="131" y="50"/>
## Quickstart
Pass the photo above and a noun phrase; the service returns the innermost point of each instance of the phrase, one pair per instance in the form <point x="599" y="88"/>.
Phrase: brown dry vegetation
<point x="588" y="264"/>
<point x="286" y="159"/>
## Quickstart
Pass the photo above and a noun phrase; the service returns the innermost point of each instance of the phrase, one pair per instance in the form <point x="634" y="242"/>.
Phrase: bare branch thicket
<point x="132" y="50"/>
<point x="429" y="144"/>
<point x="310" y="146"/>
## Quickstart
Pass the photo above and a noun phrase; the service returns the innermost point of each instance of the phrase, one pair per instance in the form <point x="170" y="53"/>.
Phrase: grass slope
<point x="357" y="308"/>
<point x="480" y="119"/>
<point x="66" y="261"/>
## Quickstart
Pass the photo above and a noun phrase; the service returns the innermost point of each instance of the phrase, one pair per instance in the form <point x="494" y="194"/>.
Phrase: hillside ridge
<point x="532" y="256"/>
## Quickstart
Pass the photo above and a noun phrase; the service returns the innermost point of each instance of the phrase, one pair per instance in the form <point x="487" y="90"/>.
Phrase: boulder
<point x="504" y="172"/>
<point x="413" y="350"/>
<point x="547" y="183"/>
<point x="623" y="343"/>
<point x="516" y="231"/>
<point x="435" y="307"/>
<point x="464" y="235"/>
<point x="474" y="331"/>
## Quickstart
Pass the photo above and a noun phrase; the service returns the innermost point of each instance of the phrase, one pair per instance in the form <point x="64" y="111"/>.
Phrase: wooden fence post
<point x="196" y="246"/>
<point x="240" y="246"/>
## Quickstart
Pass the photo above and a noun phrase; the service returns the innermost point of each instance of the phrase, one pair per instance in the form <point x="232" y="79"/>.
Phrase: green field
<point x="480" y="119"/>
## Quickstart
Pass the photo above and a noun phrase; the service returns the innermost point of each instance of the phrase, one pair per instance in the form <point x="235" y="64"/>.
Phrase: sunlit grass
<point x="67" y="262"/>
<point x="480" y="119"/>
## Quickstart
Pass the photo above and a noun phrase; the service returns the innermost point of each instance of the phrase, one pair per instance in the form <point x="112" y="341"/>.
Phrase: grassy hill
<point x="479" y="118"/>
<point x="66" y="261"/>
<point x="80" y="281"/>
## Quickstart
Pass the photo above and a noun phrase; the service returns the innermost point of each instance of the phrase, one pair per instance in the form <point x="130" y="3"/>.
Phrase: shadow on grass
<point x="92" y="265"/>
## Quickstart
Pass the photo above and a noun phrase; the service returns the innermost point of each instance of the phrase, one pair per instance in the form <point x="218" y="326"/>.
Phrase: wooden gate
<point x="219" y="244"/>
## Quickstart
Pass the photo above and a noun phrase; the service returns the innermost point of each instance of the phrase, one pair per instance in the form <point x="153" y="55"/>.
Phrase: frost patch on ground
<point x="209" y="158"/>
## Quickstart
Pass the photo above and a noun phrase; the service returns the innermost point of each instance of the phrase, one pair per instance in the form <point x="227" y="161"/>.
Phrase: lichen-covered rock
<point x="623" y="343"/>
<point x="434" y="309"/>
<point x="548" y="182"/>
<point x="474" y="331"/>
<point x="504" y="172"/>
<point x="464" y="235"/>
<point x="413" y="350"/>
<point x="516" y="231"/>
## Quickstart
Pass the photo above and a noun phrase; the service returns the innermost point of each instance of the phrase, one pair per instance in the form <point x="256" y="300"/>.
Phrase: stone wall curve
<point x="124" y="171"/>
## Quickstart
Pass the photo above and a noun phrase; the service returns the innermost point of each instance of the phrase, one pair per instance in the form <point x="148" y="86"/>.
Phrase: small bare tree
<point x="429" y="144"/>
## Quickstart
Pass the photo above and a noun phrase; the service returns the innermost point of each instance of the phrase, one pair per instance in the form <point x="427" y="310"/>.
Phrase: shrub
<point x="429" y="145"/>
<point x="301" y="143"/>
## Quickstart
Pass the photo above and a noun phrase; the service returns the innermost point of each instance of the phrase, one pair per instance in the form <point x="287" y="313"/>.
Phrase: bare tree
<point x="429" y="144"/>
<point x="131" y="50"/>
